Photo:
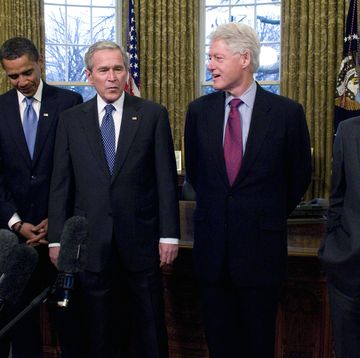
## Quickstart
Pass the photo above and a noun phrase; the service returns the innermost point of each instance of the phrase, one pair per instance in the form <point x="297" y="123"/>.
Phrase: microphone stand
<point x="41" y="298"/>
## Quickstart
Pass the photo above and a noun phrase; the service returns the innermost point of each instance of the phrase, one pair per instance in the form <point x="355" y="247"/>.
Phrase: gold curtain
<point x="311" y="51"/>
<point x="21" y="18"/>
<point x="169" y="55"/>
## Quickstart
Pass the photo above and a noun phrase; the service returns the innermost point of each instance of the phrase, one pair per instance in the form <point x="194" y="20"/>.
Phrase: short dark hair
<point x="16" y="47"/>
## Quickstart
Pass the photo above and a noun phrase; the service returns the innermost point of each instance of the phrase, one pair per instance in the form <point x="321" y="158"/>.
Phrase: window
<point x="264" y="16"/>
<point x="71" y="26"/>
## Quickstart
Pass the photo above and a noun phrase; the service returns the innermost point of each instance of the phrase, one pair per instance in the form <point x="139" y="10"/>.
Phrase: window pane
<point x="55" y="56"/>
<point x="103" y="24"/>
<point x="208" y="76"/>
<point x="78" y="2"/>
<point x="217" y="2"/>
<point x="264" y="16"/>
<point x="86" y="91"/>
<point x="272" y="88"/>
<point x="243" y="14"/>
<point x="79" y="28"/>
<point x="104" y="3"/>
<point x="55" y="24"/>
<point x="207" y="90"/>
<point x="55" y="1"/>
<point x="75" y="70"/>
<point x="267" y="1"/>
<point x="215" y="16"/>
<point x="268" y="22"/>
<point x="269" y="69"/>
<point x="241" y="2"/>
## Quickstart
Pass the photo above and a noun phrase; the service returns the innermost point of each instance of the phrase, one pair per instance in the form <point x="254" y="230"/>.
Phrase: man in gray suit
<point x="340" y="253"/>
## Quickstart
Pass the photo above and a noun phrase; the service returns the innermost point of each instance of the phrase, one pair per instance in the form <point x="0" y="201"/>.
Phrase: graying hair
<point x="104" y="45"/>
<point x="240" y="38"/>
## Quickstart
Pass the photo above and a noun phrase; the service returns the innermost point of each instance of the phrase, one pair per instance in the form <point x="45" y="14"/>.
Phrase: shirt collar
<point x="248" y="97"/>
<point x="118" y="104"/>
<point x="37" y="96"/>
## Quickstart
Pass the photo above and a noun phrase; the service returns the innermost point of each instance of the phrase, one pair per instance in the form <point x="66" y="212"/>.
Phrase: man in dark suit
<point x="341" y="249"/>
<point x="25" y="170"/>
<point x="114" y="164"/>
<point x="249" y="165"/>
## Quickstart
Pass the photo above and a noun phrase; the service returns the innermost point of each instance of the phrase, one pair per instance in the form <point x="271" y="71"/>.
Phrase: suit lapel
<point x="259" y="125"/>
<point x="215" y="112"/>
<point x="130" y="123"/>
<point x="47" y="118"/>
<point x="12" y="113"/>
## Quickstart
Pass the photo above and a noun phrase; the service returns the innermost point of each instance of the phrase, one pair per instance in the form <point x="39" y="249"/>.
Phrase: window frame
<point x="202" y="63"/>
<point x="118" y="38"/>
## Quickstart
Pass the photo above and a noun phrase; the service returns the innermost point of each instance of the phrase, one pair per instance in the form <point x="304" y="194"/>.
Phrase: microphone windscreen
<point x="73" y="245"/>
<point x="20" y="265"/>
<point x="8" y="240"/>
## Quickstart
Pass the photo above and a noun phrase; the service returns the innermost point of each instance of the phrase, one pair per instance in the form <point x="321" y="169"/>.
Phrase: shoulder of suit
<point x="141" y="102"/>
<point x="350" y="124"/>
<point x="11" y="94"/>
<point x="49" y="89"/>
<point x="276" y="98"/>
<point x="211" y="97"/>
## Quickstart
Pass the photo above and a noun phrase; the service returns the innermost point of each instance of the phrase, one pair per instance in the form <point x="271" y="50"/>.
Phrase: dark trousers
<point x="345" y="312"/>
<point x="121" y="314"/>
<point x="24" y="338"/>
<point x="239" y="321"/>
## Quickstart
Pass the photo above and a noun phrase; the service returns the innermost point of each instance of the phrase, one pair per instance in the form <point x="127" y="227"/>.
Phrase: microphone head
<point x="8" y="240"/>
<point x="20" y="265"/>
<point x="73" y="245"/>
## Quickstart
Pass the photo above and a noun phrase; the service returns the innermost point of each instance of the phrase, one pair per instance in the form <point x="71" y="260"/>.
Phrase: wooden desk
<point x="303" y="325"/>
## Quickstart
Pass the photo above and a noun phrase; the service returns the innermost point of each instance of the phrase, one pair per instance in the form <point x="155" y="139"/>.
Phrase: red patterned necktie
<point x="233" y="151"/>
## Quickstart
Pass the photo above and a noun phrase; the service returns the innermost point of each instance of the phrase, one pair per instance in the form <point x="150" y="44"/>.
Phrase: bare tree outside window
<point x="264" y="16"/>
<point x="70" y="28"/>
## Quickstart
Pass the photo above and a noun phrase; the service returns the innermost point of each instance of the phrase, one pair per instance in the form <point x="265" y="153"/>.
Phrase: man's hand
<point x="168" y="253"/>
<point x="54" y="254"/>
<point x="35" y="235"/>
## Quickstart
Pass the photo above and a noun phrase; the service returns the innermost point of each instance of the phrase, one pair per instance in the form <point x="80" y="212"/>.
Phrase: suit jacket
<point x="340" y="253"/>
<point x="242" y="229"/>
<point x="136" y="205"/>
<point x="25" y="183"/>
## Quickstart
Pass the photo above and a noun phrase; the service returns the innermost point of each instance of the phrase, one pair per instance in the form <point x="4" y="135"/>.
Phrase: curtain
<point x="311" y="51"/>
<point x="21" y="18"/>
<point x="169" y="56"/>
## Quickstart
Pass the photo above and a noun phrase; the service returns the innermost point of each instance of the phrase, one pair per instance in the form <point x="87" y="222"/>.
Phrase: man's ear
<point x="245" y="59"/>
<point x="41" y="60"/>
<point x="88" y="75"/>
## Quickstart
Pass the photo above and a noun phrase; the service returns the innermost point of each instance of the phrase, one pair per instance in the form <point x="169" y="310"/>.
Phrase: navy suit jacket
<point x="138" y="204"/>
<point x="25" y="183"/>
<point x="242" y="229"/>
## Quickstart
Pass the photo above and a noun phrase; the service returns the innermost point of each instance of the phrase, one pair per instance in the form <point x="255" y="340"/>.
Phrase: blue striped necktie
<point x="108" y="136"/>
<point x="30" y="123"/>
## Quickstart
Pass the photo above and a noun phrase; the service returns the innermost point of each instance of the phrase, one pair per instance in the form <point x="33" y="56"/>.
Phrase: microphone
<point x="71" y="257"/>
<point x="8" y="240"/>
<point x="20" y="265"/>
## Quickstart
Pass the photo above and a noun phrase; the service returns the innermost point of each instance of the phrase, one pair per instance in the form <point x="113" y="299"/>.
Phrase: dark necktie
<point x="108" y="136"/>
<point x="30" y="123"/>
<point x="233" y="141"/>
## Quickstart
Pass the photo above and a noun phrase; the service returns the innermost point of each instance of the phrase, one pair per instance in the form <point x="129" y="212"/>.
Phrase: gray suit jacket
<point x="340" y="253"/>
